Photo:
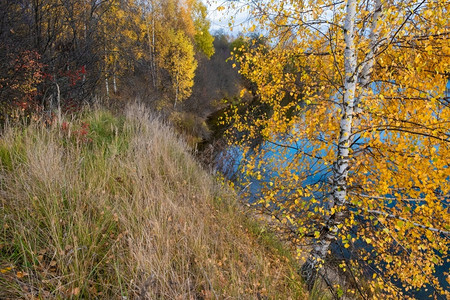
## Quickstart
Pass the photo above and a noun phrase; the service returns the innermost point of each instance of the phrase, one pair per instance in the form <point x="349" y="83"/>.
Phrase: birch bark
<point x="340" y="168"/>
<point x="367" y="66"/>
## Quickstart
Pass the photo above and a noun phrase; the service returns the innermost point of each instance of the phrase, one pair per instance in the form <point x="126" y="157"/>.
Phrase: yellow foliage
<point x="397" y="187"/>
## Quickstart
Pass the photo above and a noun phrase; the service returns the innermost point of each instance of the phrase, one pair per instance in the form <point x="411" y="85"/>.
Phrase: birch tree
<point x="355" y="149"/>
<point x="177" y="58"/>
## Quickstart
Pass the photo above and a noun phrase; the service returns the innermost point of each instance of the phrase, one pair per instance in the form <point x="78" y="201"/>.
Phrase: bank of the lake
<point x="111" y="206"/>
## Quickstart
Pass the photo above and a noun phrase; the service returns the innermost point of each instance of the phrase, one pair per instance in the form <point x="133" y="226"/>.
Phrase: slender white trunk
<point x="341" y="165"/>
<point x="367" y="66"/>
<point x="114" y="84"/>
<point x="107" y="87"/>
<point x="106" y="73"/>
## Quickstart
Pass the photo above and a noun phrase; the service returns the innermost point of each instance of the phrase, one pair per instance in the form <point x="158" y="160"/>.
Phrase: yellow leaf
<point x="5" y="270"/>
<point x="21" y="274"/>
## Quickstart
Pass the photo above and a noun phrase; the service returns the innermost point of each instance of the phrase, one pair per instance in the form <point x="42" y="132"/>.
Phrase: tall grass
<point x="122" y="211"/>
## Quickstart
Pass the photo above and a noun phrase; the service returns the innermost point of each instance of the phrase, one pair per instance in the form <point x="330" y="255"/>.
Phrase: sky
<point x="220" y="19"/>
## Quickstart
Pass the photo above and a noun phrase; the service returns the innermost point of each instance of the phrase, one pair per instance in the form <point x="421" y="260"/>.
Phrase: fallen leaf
<point x="76" y="291"/>
<point x="21" y="274"/>
<point x="5" y="270"/>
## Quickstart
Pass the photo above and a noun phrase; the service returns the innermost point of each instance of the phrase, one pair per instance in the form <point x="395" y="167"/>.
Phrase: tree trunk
<point x="367" y="66"/>
<point x="106" y="72"/>
<point x="151" y="43"/>
<point x="58" y="99"/>
<point x="114" y="84"/>
<point x="107" y="87"/>
<point x="155" y="79"/>
<point x="37" y="24"/>
<point x="341" y="165"/>
<point x="176" y="91"/>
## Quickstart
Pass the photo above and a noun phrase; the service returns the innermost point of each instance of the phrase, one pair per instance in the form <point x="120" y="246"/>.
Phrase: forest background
<point x="57" y="55"/>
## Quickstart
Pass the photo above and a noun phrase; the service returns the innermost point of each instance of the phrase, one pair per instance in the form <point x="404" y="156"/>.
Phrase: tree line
<point x="57" y="54"/>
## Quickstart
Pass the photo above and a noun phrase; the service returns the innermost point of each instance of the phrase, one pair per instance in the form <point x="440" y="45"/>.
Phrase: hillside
<point x="115" y="207"/>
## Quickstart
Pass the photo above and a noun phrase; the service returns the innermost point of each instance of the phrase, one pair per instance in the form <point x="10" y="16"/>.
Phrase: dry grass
<point x="124" y="212"/>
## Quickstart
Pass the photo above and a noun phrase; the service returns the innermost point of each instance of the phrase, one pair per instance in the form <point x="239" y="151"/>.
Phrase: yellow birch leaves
<point x="397" y="214"/>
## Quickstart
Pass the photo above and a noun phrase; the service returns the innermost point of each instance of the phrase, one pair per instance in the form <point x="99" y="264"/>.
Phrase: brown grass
<point x="125" y="212"/>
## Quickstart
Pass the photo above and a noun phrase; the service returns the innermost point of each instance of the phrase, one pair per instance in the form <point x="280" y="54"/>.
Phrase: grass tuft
<point x="111" y="207"/>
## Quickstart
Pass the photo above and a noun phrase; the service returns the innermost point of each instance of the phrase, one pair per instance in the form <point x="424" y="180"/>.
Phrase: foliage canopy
<point x="355" y="149"/>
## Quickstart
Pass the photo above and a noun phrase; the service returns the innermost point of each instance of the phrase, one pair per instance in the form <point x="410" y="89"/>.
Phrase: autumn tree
<point x="359" y="160"/>
<point x="63" y="35"/>
<point x="122" y="33"/>
<point x="203" y="38"/>
<point x="157" y="41"/>
<point x="177" y="58"/>
<point x="19" y="81"/>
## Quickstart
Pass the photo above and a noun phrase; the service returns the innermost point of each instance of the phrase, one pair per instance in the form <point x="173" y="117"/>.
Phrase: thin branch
<point x="390" y="198"/>
<point x="372" y="211"/>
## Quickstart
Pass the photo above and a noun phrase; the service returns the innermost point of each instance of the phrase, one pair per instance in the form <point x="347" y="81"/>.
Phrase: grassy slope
<point x="124" y="210"/>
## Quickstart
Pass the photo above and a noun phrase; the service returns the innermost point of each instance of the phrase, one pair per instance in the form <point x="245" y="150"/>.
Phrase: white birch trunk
<point x="106" y="73"/>
<point x="341" y="165"/>
<point x="107" y="87"/>
<point x="367" y="66"/>
<point x="114" y="84"/>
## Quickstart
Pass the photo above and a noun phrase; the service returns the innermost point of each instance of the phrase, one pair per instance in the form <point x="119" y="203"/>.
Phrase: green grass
<point x="123" y="210"/>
